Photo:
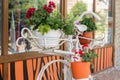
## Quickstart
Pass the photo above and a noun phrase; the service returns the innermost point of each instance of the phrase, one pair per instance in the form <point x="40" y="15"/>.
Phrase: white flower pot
<point x="50" y="39"/>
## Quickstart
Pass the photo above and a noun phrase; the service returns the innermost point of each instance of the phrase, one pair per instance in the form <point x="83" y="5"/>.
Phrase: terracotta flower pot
<point x="87" y="35"/>
<point x="80" y="69"/>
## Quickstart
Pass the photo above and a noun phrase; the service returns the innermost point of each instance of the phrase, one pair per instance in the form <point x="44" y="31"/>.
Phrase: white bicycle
<point x="72" y="43"/>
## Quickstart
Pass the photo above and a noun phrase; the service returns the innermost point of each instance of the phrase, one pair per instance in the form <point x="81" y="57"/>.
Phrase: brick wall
<point x="117" y="36"/>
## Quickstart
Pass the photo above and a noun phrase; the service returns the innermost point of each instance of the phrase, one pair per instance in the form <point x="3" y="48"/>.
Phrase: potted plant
<point x="48" y="22"/>
<point x="91" y="26"/>
<point x="80" y="67"/>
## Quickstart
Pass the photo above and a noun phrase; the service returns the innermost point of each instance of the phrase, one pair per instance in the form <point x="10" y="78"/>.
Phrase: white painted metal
<point x="71" y="44"/>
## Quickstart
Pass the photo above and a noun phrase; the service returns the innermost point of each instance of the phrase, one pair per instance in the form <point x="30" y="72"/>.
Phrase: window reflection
<point x="79" y="6"/>
<point x="104" y="8"/>
<point x="76" y="7"/>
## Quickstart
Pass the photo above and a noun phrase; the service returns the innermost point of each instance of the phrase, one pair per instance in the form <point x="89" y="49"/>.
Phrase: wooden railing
<point x="104" y="60"/>
<point x="29" y="69"/>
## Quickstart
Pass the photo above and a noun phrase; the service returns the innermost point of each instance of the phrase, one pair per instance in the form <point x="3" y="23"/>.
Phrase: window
<point x="76" y="7"/>
<point x="104" y="8"/>
<point x="17" y="21"/>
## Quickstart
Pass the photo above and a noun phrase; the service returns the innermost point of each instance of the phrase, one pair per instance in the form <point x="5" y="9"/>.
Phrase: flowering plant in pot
<point x="48" y="21"/>
<point x="91" y="26"/>
<point x="47" y="17"/>
<point x="87" y="18"/>
<point x="82" y="61"/>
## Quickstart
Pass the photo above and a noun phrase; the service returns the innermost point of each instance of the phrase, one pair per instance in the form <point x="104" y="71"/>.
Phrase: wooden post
<point x="63" y="11"/>
<point x="63" y="8"/>
<point x="5" y="37"/>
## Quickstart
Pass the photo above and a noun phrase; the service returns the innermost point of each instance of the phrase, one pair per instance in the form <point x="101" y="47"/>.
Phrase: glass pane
<point x="0" y="23"/>
<point x="76" y="7"/>
<point x="104" y="8"/>
<point x="18" y="20"/>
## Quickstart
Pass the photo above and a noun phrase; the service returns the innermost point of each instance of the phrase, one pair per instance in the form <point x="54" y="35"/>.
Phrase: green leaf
<point x="89" y="22"/>
<point x="43" y="28"/>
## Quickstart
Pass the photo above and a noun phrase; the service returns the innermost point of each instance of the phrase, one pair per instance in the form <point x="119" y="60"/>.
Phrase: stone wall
<point x="117" y="36"/>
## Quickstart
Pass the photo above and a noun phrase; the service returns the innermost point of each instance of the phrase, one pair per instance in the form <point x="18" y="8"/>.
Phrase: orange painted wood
<point x="34" y="64"/>
<point x="50" y="68"/>
<point x="55" y="73"/>
<point x="30" y="69"/>
<point x="105" y="58"/>
<point x="95" y="62"/>
<point x="101" y="63"/>
<point x="31" y="66"/>
<point x="47" y="70"/>
<point x="38" y="67"/>
<point x="98" y="61"/>
<point x="8" y="71"/>
<point x="58" y="63"/>
<point x="19" y="70"/>
<point x="112" y="57"/>
<point x="1" y="68"/>
<point x="109" y="57"/>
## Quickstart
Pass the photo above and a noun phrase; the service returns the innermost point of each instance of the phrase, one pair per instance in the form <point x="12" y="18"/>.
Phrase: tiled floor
<point x="111" y="74"/>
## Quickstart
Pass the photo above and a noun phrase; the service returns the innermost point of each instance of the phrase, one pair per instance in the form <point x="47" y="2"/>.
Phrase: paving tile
<point x="112" y="75"/>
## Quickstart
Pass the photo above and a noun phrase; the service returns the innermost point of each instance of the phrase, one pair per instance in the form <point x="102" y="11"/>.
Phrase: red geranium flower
<point x="30" y="12"/>
<point x="49" y="9"/>
<point x="52" y="4"/>
<point x="81" y="53"/>
<point x="76" y="52"/>
<point x="45" y="7"/>
<point x="84" y="46"/>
